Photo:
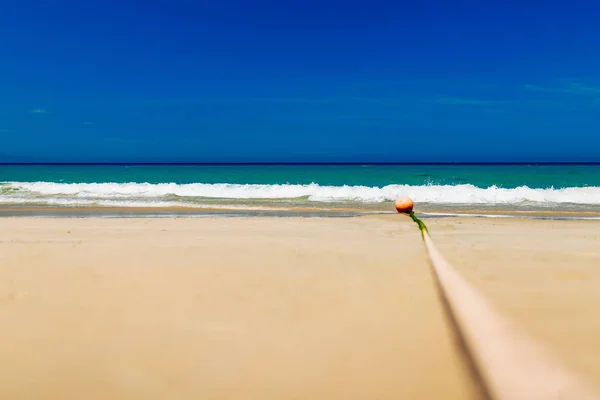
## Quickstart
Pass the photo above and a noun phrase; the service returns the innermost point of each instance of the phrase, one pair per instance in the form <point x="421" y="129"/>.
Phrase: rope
<point x="511" y="365"/>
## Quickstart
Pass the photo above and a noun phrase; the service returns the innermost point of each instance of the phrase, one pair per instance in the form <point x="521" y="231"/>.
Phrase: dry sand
<point x="276" y="308"/>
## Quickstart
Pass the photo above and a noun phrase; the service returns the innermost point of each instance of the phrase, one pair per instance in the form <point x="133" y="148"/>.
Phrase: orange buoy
<point x="404" y="205"/>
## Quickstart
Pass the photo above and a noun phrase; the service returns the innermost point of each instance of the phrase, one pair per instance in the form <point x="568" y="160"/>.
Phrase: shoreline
<point x="289" y="212"/>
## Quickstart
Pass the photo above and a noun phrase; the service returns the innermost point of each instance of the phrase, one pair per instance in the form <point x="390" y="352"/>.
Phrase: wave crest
<point x="163" y="192"/>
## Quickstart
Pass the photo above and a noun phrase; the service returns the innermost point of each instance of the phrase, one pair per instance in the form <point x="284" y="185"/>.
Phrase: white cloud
<point x="566" y="88"/>
<point x="38" y="111"/>
<point x="462" y="101"/>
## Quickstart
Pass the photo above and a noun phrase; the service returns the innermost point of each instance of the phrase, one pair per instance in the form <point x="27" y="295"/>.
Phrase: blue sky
<point x="299" y="81"/>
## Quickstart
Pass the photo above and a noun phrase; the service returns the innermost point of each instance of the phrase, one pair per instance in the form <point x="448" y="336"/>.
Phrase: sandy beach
<point x="277" y="308"/>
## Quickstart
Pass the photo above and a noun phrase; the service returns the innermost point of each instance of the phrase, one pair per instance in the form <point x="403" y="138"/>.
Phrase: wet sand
<point x="276" y="308"/>
<point x="285" y="210"/>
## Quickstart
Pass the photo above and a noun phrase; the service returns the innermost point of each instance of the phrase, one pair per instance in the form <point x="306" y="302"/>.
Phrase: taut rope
<point x="511" y="365"/>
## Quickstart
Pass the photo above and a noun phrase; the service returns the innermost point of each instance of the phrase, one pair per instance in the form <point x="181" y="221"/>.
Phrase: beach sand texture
<point x="277" y="308"/>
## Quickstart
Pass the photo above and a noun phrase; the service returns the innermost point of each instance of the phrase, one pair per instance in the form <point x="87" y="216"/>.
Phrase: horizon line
<point x="302" y="163"/>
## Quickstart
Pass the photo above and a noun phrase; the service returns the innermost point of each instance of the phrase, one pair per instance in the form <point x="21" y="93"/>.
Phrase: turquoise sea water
<point x="508" y="176"/>
<point x="279" y="187"/>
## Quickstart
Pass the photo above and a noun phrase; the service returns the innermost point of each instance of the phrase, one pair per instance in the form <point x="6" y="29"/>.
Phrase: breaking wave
<point x="172" y="194"/>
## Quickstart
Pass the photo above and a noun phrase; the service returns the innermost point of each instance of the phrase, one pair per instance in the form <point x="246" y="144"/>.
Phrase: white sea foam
<point x="141" y="203"/>
<point x="163" y="194"/>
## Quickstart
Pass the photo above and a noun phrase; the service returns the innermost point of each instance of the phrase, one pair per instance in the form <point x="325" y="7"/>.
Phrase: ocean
<point x="284" y="188"/>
